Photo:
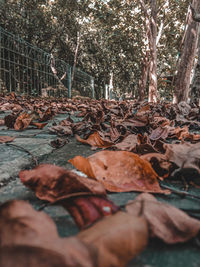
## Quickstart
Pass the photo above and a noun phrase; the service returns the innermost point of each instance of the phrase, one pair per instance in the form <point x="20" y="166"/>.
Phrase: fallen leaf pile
<point x="141" y="144"/>
<point x="142" y="128"/>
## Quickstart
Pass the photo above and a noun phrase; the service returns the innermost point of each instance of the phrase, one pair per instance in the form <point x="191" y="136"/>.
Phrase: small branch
<point x="53" y="68"/>
<point x="34" y="159"/>
<point x="180" y="192"/>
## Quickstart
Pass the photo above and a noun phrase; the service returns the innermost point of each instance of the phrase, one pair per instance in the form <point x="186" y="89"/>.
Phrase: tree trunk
<point x="182" y="83"/>
<point x="144" y="76"/>
<point x="75" y="57"/>
<point x="151" y="32"/>
<point x="111" y="86"/>
<point x="195" y="88"/>
<point x="153" y="54"/>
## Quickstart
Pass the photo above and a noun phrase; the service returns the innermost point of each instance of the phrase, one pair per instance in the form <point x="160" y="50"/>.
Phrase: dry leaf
<point x="160" y="132"/>
<point x="95" y="140"/>
<point x="159" y="163"/>
<point x="184" y="155"/>
<point x="10" y="120"/>
<point x="88" y="209"/>
<point x="61" y="130"/>
<point x="2" y="122"/>
<point x="112" y="241"/>
<point x="23" y="121"/>
<point x="50" y="182"/>
<point x="21" y="225"/>
<point x="57" y="143"/>
<point x="6" y="139"/>
<point x="128" y="144"/>
<point x="165" y="222"/>
<point x="119" y="171"/>
<point x="23" y="256"/>
<point x="39" y="125"/>
<point x="117" y="238"/>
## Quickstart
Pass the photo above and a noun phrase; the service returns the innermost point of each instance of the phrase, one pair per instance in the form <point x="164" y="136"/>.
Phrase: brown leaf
<point x="117" y="238"/>
<point x="184" y="155"/>
<point x="50" y="182"/>
<point x="61" y="130"/>
<point x="57" y="143"/>
<point x="129" y="143"/>
<point x="2" y="122"/>
<point x="10" y="120"/>
<point x="160" y="132"/>
<point x="31" y="256"/>
<point x="6" y="139"/>
<point x="21" y="225"/>
<point x="159" y="163"/>
<point x="119" y="171"/>
<point x="23" y="121"/>
<point x="39" y="125"/>
<point x="95" y="140"/>
<point x="165" y="222"/>
<point x="183" y="134"/>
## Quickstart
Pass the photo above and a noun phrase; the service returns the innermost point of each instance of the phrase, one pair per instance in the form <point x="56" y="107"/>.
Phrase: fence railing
<point x="27" y="69"/>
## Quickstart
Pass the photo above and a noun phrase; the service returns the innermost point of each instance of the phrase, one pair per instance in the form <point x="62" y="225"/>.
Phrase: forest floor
<point x="33" y="146"/>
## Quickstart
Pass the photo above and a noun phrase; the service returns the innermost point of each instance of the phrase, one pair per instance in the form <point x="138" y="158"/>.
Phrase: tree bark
<point x="183" y="78"/>
<point x="75" y="57"/>
<point x="195" y="88"/>
<point x="153" y="54"/>
<point x="151" y="31"/>
<point x="144" y="76"/>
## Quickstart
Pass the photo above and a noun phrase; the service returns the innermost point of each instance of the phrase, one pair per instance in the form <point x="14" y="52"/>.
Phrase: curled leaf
<point x="23" y="121"/>
<point x="95" y="140"/>
<point x="86" y="210"/>
<point x="50" y="182"/>
<point x="165" y="222"/>
<point x="184" y="155"/>
<point x="22" y="226"/>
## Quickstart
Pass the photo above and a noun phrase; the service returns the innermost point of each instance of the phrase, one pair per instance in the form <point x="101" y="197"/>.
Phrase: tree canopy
<point x="101" y="37"/>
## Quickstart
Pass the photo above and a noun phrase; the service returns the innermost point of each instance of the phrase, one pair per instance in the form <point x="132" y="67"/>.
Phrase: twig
<point x="34" y="159"/>
<point x="31" y="135"/>
<point x="180" y="192"/>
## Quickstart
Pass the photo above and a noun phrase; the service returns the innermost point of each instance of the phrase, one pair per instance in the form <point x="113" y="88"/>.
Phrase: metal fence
<point x="26" y="69"/>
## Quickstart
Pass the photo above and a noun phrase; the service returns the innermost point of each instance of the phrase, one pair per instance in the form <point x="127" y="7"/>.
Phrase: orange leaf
<point x="39" y="125"/>
<point x="95" y="140"/>
<point x="82" y="164"/>
<point x="23" y="121"/>
<point x="120" y="171"/>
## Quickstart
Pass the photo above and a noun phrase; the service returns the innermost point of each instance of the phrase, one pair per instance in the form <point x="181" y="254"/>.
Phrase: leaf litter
<point x="142" y="143"/>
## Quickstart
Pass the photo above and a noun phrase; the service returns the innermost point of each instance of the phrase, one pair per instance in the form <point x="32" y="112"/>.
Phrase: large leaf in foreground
<point x="119" y="171"/>
<point x="21" y="225"/>
<point x="112" y="241"/>
<point x="118" y="238"/>
<point x="165" y="221"/>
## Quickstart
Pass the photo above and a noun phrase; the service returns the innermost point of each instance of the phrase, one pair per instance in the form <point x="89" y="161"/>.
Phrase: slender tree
<point x="183" y="78"/>
<point x="151" y="32"/>
<point x="195" y="88"/>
